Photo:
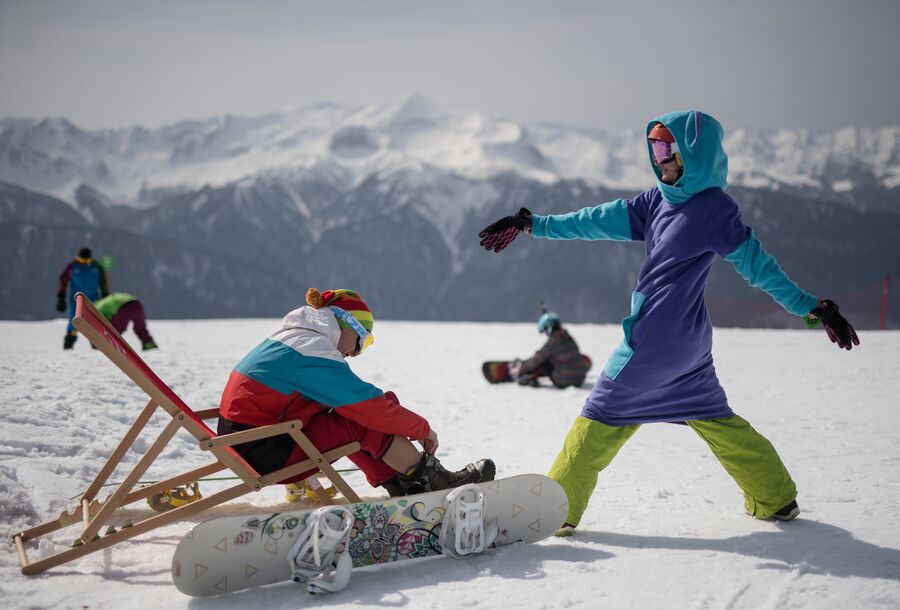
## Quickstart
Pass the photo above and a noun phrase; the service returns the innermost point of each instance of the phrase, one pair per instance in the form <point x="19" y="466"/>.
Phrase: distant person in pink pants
<point x="121" y="308"/>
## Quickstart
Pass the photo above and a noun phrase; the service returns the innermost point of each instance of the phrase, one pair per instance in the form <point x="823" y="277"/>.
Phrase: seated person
<point x="300" y="372"/>
<point x="558" y="359"/>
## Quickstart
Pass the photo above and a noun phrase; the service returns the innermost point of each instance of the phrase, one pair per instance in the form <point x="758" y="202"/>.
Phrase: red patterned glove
<point x="496" y="236"/>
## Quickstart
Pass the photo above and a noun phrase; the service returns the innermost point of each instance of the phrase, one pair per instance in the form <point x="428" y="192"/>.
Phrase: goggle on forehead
<point x="364" y="338"/>
<point x="664" y="152"/>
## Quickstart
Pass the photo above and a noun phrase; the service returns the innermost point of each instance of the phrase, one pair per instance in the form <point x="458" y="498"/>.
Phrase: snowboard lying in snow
<point x="233" y="553"/>
<point x="499" y="371"/>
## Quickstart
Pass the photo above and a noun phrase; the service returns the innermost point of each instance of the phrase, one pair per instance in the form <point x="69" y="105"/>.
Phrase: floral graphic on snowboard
<point x="384" y="533"/>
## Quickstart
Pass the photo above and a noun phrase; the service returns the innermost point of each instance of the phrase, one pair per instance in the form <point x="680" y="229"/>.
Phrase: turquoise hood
<point x="699" y="137"/>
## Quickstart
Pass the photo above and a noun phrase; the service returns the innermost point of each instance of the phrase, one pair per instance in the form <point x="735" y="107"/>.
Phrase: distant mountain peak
<point x="415" y="109"/>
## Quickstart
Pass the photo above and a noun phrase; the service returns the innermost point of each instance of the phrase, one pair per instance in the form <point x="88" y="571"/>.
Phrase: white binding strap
<point x="319" y="557"/>
<point x="462" y="530"/>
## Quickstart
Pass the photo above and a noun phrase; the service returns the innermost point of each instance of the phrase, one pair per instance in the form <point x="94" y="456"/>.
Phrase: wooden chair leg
<point x="141" y="527"/>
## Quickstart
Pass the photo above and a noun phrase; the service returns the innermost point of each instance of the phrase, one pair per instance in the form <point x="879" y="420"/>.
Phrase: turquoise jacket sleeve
<point x="605" y="221"/>
<point x="761" y="270"/>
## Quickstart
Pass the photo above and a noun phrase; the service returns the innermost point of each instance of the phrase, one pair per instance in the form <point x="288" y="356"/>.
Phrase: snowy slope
<point x="54" y="156"/>
<point x="665" y="527"/>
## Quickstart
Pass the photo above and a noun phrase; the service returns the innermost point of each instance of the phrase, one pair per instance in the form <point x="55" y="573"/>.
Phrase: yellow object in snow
<point x="173" y="498"/>
<point x="297" y="492"/>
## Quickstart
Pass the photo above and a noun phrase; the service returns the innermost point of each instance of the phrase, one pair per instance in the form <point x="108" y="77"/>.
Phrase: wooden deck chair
<point x="94" y="514"/>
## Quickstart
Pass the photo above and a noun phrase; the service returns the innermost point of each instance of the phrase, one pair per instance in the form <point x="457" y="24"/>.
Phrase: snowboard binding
<point x="175" y="497"/>
<point x="463" y="531"/>
<point x="318" y="557"/>
<point x="309" y="489"/>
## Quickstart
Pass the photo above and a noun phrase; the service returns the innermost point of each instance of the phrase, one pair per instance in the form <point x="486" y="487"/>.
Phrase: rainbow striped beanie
<point x="348" y="300"/>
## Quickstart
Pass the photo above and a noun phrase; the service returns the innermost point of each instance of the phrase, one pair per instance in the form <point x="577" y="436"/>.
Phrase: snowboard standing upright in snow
<point x="234" y="553"/>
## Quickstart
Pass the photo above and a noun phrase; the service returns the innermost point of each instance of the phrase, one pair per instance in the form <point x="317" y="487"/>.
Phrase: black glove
<point x="495" y="237"/>
<point x="838" y="328"/>
<point x="60" y="302"/>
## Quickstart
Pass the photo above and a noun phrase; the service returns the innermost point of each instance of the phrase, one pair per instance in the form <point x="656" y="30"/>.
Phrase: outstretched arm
<point x="621" y="220"/>
<point x="762" y="271"/>
<point x="609" y="220"/>
<point x="737" y="244"/>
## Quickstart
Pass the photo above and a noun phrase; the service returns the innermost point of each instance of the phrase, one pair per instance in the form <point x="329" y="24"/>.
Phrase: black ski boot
<point x="69" y="341"/>
<point x="430" y="475"/>
<point x="394" y="487"/>
<point x="787" y="513"/>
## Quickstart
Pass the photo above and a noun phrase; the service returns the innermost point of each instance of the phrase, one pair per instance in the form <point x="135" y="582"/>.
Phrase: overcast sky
<point x="751" y="63"/>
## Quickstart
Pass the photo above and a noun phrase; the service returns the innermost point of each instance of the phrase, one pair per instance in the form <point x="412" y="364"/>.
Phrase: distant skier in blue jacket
<point x="663" y="369"/>
<point x="83" y="274"/>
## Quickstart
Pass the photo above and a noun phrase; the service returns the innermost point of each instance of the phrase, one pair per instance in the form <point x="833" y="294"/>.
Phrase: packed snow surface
<point x="665" y="527"/>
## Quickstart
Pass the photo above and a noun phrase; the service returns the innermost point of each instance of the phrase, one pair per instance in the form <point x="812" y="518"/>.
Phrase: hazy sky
<point x="751" y="63"/>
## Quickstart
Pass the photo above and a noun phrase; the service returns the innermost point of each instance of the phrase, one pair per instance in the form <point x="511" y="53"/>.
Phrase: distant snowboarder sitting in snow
<point x="663" y="370"/>
<point x="85" y="275"/>
<point x="122" y="309"/>
<point x="558" y="359"/>
<point x="300" y="372"/>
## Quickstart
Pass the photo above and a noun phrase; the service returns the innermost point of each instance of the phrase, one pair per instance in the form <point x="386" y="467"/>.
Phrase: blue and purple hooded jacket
<point x="663" y="369"/>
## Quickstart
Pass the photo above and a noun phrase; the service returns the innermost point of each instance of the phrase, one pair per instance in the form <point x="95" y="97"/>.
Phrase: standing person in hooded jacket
<point x="558" y="359"/>
<point x="663" y="369"/>
<point x="85" y="275"/>
<point x="300" y="372"/>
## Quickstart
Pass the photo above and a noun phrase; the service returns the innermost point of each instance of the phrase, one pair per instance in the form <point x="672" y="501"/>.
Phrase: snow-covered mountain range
<point x="238" y="216"/>
<point x="54" y="156"/>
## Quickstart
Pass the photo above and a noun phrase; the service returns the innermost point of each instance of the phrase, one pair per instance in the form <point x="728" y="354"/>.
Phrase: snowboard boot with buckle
<point x="430" y="475"/>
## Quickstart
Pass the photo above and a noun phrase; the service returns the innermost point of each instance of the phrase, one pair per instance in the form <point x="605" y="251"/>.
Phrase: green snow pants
<point x="747" y="455"/>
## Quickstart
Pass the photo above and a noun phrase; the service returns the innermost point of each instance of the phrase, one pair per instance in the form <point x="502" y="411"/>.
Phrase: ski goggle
<point x="664" y="152"/>
<point x="364" y="338"/>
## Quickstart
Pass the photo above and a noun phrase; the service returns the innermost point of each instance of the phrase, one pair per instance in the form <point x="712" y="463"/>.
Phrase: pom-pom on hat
<point x="348" y="300"/>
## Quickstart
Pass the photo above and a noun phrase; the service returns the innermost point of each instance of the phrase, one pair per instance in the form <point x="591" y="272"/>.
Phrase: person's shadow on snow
<point x="814" y="547"/>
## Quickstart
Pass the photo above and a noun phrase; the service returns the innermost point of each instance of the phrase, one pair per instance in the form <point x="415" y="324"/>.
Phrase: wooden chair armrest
<point x="207" y="413"/>
<point x="254" y="434"/>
